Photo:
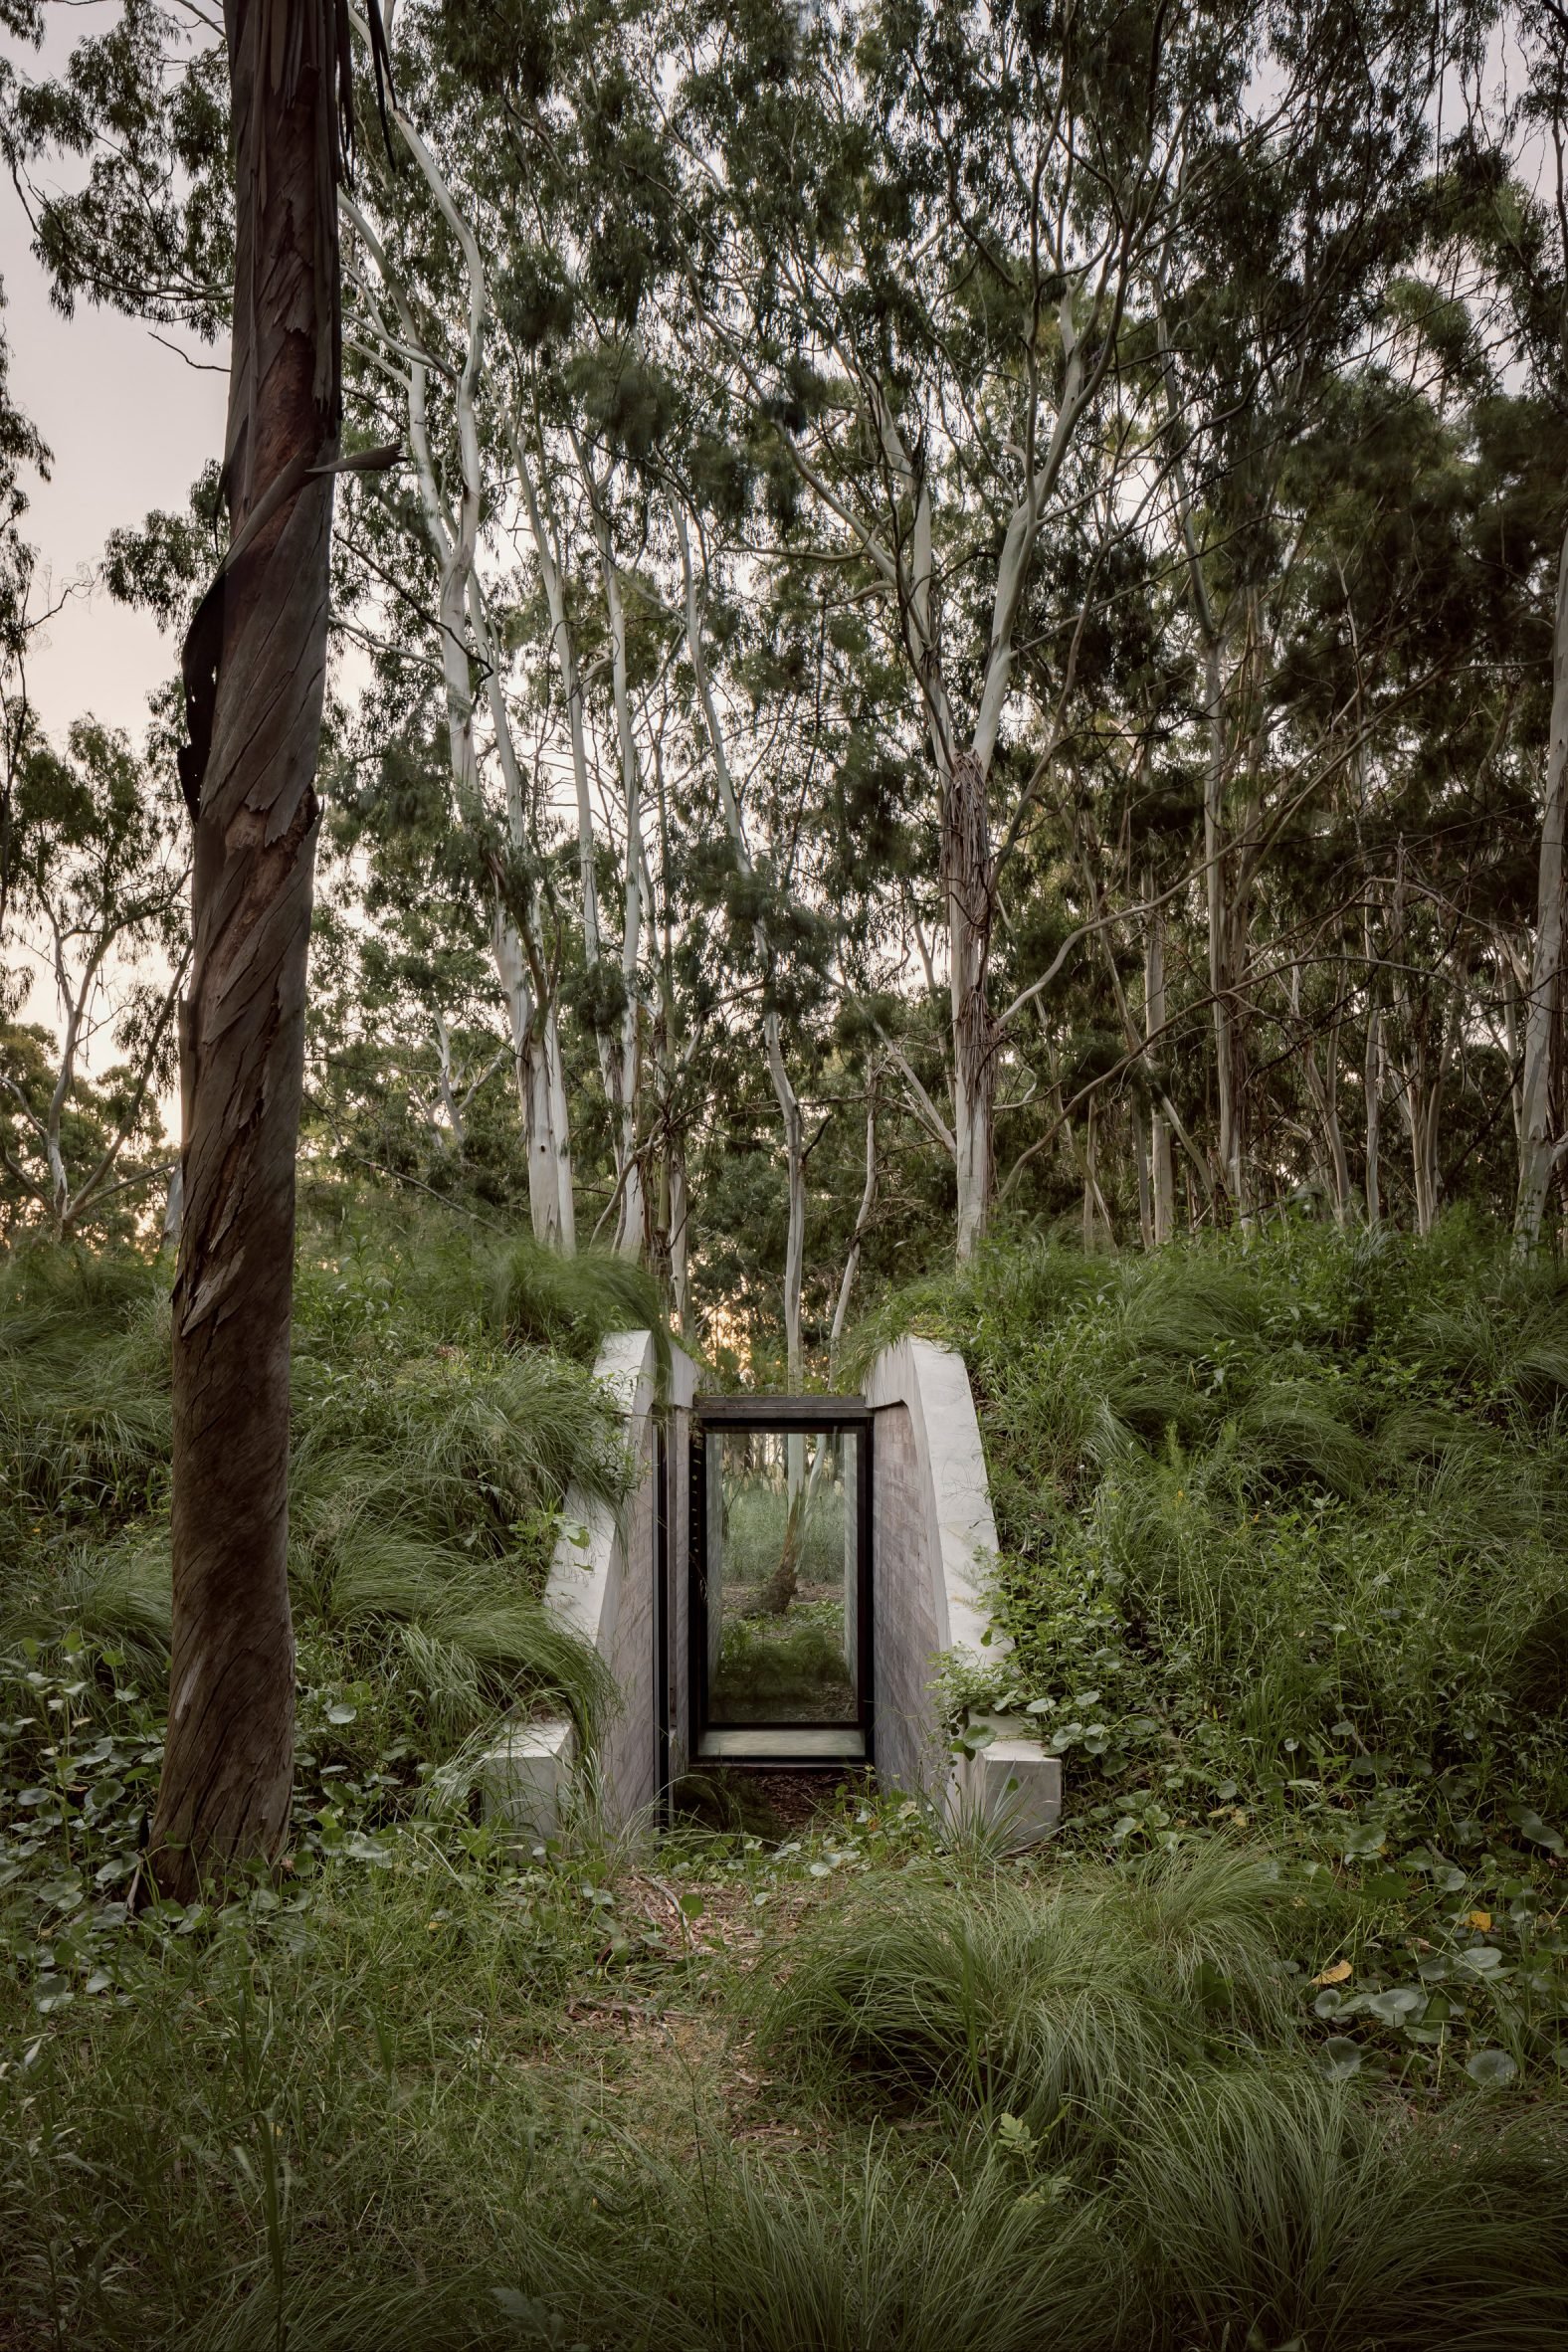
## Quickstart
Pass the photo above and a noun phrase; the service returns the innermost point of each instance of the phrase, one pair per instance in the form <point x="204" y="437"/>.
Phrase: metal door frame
<point x="797" y="1417"/>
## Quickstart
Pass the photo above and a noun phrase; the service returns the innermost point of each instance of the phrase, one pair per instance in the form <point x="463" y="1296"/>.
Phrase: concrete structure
<point x="604" y="1583"/>
<point x="622" y="1581"/>
<point x="934" y="1539"/>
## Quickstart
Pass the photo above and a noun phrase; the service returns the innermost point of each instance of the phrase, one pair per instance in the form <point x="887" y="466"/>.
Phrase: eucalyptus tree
<point x="21" y="448"/>
<point x="402" y="329"/>
<point x="1273" y="292"/>
<point x="159" y="228"/>
<point x="947" y="212"/>
<point x="255" y="674"/>
<point x="1538" y="274"/>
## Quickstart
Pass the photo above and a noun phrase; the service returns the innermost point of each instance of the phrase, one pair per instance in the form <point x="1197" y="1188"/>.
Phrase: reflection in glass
<point x="782" y="1603"/>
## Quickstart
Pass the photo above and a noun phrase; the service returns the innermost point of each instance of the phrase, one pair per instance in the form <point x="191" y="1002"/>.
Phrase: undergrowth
<point x="850" y="2092"/>
<point x="1263" y="2053"/>
<point x="1283" y="1549"/>
<point x="432" y="1443"/>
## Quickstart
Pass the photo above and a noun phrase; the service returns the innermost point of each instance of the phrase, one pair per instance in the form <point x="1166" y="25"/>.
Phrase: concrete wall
<point x="935" y="1538"/>
<point x="603" y="1584"/>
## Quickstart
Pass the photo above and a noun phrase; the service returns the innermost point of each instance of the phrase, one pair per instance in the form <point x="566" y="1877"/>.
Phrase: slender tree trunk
<point x="1140" y="1151"/>
<point x="1162" y="1170"/>
<point x="969" y="885"/>
<point x="1543" y="1131"/>
<point x="454" y="539"/>
<point x="679" y="1239"/>
<point x="255" y="727"/>
<point x="625" y="1060"/>
<point x="454" y="1135"/>
<point x="852" y="1262"/>
<point x="562" y="1190"/>
<point x="1373" y="1074"/>
<point x="1229" y="1087"/>
<point x="772" y="1032"/>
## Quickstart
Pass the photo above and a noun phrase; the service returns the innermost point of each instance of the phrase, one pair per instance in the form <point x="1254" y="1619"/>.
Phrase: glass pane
<point x="782" y="1588"/>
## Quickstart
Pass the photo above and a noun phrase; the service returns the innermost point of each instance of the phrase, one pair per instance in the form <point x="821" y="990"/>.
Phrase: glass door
<point x="782" y="1588"/>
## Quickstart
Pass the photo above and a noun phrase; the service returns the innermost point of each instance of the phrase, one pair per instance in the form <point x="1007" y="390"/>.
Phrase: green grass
<point x="1283" y="1528"/>
<point x="432" y="1448"/>
<point x="1266" y="2051"/>
<point x="846" y="2093"/>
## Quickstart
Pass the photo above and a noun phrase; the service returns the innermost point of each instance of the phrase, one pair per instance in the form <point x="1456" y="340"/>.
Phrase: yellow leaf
<point x="1480" y="1920"/>
<point x="1335" y="1975"/>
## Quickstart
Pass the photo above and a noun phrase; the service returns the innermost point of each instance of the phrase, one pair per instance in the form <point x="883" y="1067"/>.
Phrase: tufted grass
<point x="429" y="1456"/>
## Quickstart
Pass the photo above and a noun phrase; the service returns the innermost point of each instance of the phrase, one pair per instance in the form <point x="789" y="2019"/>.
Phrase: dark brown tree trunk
<point x="255" y="676"/>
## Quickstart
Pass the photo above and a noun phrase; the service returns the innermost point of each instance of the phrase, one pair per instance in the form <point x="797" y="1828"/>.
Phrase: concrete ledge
<point x="1010" y="1787"/>
<point x="523" y="1781"/>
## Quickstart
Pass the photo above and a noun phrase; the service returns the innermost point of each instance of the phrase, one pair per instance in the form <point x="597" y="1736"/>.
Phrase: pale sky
<point x="130" y="423"/>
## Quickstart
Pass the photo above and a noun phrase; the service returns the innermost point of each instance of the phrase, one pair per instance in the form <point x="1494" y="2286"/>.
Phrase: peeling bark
<point x="254" y="678"/>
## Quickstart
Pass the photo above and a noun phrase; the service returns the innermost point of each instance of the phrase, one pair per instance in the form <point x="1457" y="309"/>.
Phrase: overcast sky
<point x="130" y="424"/>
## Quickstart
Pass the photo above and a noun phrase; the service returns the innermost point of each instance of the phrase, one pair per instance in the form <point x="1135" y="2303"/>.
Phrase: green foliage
<point x="430" y="1459"/>
<point x="1282" y="1526"/>
<point x="1283" y="1530"/>
<point x="1061" y="2006"/>
<point x="786" y="1667"/>
<point x="574" y="1303"/>
<point x="538" y="2077"/>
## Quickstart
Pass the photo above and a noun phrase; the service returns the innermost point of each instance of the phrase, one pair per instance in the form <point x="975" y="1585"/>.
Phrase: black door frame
<point x="796" y="1417"/>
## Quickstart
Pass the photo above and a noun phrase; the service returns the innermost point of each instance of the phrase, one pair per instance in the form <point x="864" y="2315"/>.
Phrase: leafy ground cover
<point x="434" y="1442"/>
<point x="846" y="2089"/>
<point x="1273" y="2066"/>
<point x="1283" y="1534"/>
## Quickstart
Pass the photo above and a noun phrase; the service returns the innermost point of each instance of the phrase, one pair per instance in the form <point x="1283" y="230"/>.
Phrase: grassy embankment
<point x="851" y="2090"/>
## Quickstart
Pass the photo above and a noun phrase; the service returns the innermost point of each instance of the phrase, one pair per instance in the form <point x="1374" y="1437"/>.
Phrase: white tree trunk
<point x="632" y="1224"/>
<point x="968" y="884"/>
<point x="1543" y="1136"/>
<point x="852" y="1261"/>
<point x="1162" y="1168"/>
<point x="772" y="1035"/>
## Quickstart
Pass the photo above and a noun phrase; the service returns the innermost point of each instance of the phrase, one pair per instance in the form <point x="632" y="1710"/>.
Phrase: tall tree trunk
<point x="1227" y="1076"/>
<point x="452" y="1135"/>
<point x="680" y="1241"/>
<point x="254" y="715"/>
<point x="1162" y="1168"/>
<point x="852" y="1261"/>
<point x="1372" y="1084"/>
<point x="969" y="885"/>
<point x="1541" y="1145"/>
<point x="772" y="1029"/>
<point x="624" y="1061"/>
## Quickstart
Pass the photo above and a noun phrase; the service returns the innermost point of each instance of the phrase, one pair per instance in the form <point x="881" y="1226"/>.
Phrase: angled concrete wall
<point x="935" y="1538"/>
<point x="604" y="1584"/>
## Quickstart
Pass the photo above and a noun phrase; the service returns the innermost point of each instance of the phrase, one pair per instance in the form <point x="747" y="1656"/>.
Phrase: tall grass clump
<point x="1057" y="2003"/>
